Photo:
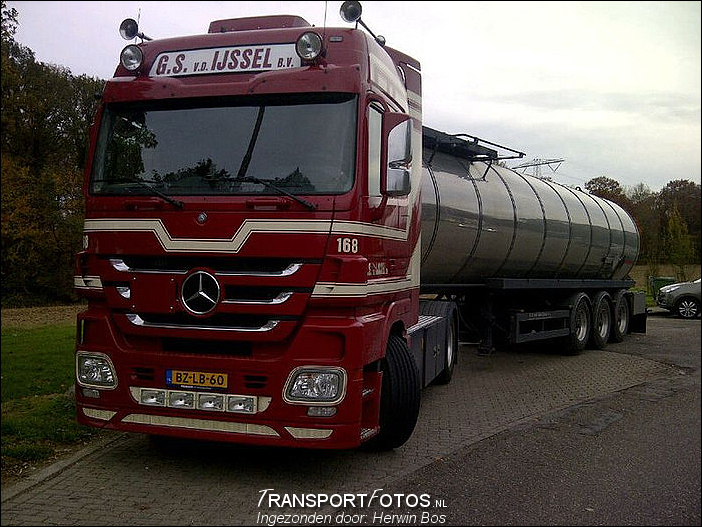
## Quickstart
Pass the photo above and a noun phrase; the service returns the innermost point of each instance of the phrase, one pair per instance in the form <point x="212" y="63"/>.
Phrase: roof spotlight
<point x="131" y="57"/>
<point x="350" y="11"/>
<point x="128" y="29"/>
<point x="309" y="45"/>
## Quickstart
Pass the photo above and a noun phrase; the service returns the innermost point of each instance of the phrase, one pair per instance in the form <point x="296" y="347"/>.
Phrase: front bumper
<point x="333" y="342"/>
<point x="664" y="300"/>
<point x="262" y="432"/>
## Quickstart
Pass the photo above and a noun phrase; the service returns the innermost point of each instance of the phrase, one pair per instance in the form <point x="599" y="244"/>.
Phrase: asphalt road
<point x="521" y="437"/>
<point x="631" y="457"/>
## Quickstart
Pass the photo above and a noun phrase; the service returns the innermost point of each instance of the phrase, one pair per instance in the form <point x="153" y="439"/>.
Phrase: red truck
<point x="260" y="201"/>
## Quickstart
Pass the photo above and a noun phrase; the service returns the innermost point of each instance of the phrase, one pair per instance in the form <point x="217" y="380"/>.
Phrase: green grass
<point x="33" y="428"/>
<point x="36" y="361"/>
<point x="38" y="415"/>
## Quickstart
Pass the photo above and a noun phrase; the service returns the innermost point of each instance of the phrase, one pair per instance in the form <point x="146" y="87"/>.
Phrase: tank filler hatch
<point x="465" y="146"/>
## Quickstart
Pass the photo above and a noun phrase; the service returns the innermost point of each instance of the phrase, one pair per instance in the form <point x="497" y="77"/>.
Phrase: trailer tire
<point x="399" y="397"/>
<point x="601" y="320"/>
<point x="622" y="317"/>
<point x="580" y="324"/>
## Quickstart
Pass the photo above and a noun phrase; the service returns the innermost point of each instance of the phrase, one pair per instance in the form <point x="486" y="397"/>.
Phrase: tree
<point x="678" y="244"/>
<point x="642" y="201"/>
<point x="638" y="193"/>
<point x="685" y="197"/>
<point x="610" y="189"/>
<point x="46" y="113"/>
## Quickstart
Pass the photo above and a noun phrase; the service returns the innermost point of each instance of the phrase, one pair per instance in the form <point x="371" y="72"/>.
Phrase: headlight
<point x="131" y="57"/>
<point x="95" y="370"/>
<point x="309" y="45"/>
<point x="315" y="385"/>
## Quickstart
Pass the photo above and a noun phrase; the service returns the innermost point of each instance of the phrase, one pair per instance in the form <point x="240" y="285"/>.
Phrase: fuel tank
<point x="481" y="220"/>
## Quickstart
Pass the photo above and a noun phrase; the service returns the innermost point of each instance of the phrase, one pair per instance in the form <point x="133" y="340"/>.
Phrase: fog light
<point x="181" y="400"/>
<point x="321" y="411"/>
<point x="315" y="385"/>
<point x="243" y="404"/>
<point x="152" y="397"/>
<point x="95" y="370"/>
<point x="208" y="401"/>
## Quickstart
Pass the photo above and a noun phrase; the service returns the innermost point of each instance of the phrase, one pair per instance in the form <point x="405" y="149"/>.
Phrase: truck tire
<point x="399" y="397"/>
<point x="580" y="324"/>
<point x="451" y="350"/>
<point x="601" y="320"/>
<point x="622" y="317"/>
<point x="687" y="307"/>
<point x="449" y="312"/>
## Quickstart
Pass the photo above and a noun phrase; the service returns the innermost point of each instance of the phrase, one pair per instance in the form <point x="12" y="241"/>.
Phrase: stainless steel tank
<point x="481" y="221"/>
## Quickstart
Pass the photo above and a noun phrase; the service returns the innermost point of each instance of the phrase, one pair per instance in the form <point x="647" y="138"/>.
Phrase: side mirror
<point x="398" y="130"/>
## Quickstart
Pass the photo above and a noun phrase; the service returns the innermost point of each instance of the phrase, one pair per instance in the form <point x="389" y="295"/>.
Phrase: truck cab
<point x="251" y="240"/>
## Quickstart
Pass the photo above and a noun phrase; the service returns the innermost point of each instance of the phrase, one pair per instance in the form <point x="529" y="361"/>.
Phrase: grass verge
<point x="38" y="409"/>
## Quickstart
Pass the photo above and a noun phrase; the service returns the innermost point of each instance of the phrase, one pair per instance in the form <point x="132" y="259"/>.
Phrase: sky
<point x="613" y="88"/>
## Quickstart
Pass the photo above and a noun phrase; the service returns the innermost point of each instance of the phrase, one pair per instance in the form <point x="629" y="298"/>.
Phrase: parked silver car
<point x="683" y="299"/>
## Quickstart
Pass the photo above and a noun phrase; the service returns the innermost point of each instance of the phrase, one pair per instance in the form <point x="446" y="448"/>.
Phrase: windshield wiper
<point x="269" y="184"/>
<point x="154" y="191"/>
<point x="143" y="184"/>
<point x="241" y="174"/>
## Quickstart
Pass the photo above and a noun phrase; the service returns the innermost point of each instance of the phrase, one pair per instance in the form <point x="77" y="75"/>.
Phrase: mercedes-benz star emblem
<point x="200" y="292"/>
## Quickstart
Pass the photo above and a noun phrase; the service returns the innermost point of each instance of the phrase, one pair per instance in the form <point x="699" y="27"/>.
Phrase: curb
<point x="58" y="467"/>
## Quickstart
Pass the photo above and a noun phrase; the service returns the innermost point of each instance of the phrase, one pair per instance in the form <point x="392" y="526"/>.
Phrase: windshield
<point x="303" y="145"/>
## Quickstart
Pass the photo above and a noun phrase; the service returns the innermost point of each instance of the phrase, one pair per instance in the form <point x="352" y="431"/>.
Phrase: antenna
<point x="324" y="31"/>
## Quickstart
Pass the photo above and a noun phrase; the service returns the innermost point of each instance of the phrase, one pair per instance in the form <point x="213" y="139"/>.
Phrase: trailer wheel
<point x="580" y="324"/>
<point x="622" y="317"/>
<point x="601" y="320"/>
<point x="399" y="397"/>
<point x="451" y="351"/>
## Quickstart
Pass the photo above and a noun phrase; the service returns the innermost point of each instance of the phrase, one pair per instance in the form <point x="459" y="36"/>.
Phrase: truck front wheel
<point x="399" y="397"/>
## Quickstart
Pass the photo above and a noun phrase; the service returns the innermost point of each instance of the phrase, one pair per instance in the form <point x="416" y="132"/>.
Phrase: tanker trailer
<point x="524" y="258"/>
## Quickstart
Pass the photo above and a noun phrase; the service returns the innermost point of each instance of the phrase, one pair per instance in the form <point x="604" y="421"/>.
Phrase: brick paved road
<point x="137" y="481"/>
